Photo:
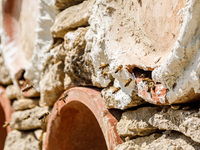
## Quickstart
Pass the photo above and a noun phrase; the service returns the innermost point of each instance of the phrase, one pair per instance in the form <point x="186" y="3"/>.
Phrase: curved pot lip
<point x="92" y="99"/>
<point x="7" y="107"/>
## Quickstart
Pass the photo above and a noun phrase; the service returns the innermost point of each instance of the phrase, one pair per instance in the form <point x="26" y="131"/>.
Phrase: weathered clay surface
<point x="18" y="122"/>
<point x="166" y="141"/>
<point x="23" y="104"/>
<point x="52" y="85"/>
<point x="13" y="92"/>
<point x="75" y="65"/>
<point x="112" y="100"/>
<point x="135" y="123"/>
<point x="62" y="4"/>
<point x="68" y="20"/>
<point x="185" y="121"/>
<point x="17" y="140"/>
<point x="5" y="78"/>
<point x="180" y="72"/>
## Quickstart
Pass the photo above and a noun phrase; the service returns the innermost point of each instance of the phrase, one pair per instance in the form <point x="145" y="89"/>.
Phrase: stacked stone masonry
<point x="99" y="74"/>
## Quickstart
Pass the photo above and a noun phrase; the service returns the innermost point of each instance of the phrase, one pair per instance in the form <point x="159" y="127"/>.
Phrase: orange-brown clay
<point x="5" y="115"/>
<point x="83" y="122"/>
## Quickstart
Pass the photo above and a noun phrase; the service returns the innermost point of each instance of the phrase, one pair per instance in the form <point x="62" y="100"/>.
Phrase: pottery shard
<point x="5" y="78"/>
<point x="23" y="104"/>
<point x="13" y="92"/>
<point x="51" y="85"/>
<point x="17" y="140"/>
<point x="184" y="121"/>
<point x="75" y="65"/>
<point x="62" y="4"/>
<point x="135" y="123"/>
<point x="112" y="102"/>
<point x="72" y="18"/>
<point x="166" y="141"/>
<point x="19" y="122"/>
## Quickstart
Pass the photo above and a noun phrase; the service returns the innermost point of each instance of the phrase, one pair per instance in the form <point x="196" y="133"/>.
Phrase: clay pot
<point x="5" y="115"/>
<point x="83" y="122"/>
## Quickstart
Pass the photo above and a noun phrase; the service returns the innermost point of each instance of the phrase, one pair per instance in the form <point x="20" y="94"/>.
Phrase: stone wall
<point x="142" y="55"/>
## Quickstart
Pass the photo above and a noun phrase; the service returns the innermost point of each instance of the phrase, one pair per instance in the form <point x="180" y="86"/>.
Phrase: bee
<point x="142" y="76"/>
<point x="28" y="87"/>
<point x="28" y="116"/>
<point x="148" y="80"/>
<point x="128" y="82"/>
<point x="116" y="90"/>
<point x="43" y="116"/>
<point x="151" y="86"/>
<point x="105" y="73"/>
<point x="6" y="124"/>
<point x="103" y="66"/>
<point x="63" y="97"/>
<point x="118" y="68"/>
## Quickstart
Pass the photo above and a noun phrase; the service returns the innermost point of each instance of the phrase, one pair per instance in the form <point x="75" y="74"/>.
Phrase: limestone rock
<point x="5" y="78"/>
<point x="23" y="104"/>
<point x="18" y="122"/>
<point x="68" y="20"/>
<point x="135" y="123"/>
<point x="13" y="92"/>
<point x="17" y="140"/>
<point x="124" y="102"/>
<point x="62" y="4"/>
<point x="166" y="141"/>
<point x="184" y="121"/>
<point x="75" y="65"/>
<point x="52" y="85"/>
<point x="39" y="134"/>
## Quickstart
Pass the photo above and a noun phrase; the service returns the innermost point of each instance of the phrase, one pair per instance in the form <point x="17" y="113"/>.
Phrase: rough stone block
<point x="166" y="141"/>
<point x="13" y="92"/>
<point x="18" y="122"/>
<point x="39" y="134"/>
<point x="5" y="78"/>
<point x="23" y="104"/>
<point x="184" y="121"/>
<point x="68" y="20"/>
<point x="135" y="123"/>
<point x="17" y="140"/>
<point x="123" y="102"/>
<point x="52" y="85"/>
<point x="62" y="4"/>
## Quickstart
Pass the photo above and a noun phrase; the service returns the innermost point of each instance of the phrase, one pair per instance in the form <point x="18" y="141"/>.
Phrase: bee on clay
<point x="28" y="116"/>
<point x="128" y="82"/>
<point x="118" y="68"/>
<point x="63" y="97"/>
<point x="6" y="124"/>
<point x="116" y="90"/>
<point x="148" y="80"/>
<point x="43" y="116"/>
<point x="103" y="66"/>
<point x="27" y="88"/>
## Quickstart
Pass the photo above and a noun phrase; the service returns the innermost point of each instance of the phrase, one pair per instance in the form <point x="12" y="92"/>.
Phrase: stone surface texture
<point x="184" y="121"/>
<point x="52" y="85"/>
<point x="19" y="123"/>
<point x="166" y="141"/>
<point x="5" y="78"/>
<point x="13" y="92"/>
<point x="62" y="4"/>
<point x="22" y="141"/>
<point x="112" y="100"/>
<point x="23" y="104"/>
<point x="136" y="123"/>
<point x="68" y="20"/>
<point x="76" y="66"/>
